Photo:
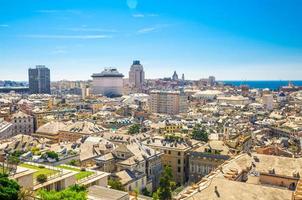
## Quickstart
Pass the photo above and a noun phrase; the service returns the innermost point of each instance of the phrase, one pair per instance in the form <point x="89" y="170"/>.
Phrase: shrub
<point x="41" y="178"/>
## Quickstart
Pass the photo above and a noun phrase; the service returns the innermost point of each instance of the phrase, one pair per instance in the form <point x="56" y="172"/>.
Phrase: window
<point x="178" y="154"/>
<point x="169" y="152"/>
<point x="178" y="161"/>
<point x="178" y="169"/>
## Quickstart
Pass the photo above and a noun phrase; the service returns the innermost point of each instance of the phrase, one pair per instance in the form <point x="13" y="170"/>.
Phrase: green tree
<point x="72" y="193"/>
<point x="145" y="192"/>
<point x="115" y="184"/>
<point x="134" y="129"/>
<point x="41" y="178"/>
<point x="166" y="185"/>
<point x="25" y="194"/>
<point x="8" y="188"/>
<point x="52" y="155"/>
<point x="200" y="134"/>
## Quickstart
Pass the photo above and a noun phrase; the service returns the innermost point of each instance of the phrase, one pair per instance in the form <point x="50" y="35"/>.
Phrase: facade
<point x="233" y="100"/>
<point x="136" y="76"/>
<point x="50" y="130"/>
<point x="268" y="101"/>
<point x="250" y="176"/>
<point x="136" y="158"/>
<point x="22" y="123"/>
<point x="206" y="158"/>
<point x="175" y="154"/>
<point x="39" y="80"/>
<point x="108" y="83"/>
<point x="6" y="129"/>
<point x="211" y="80"/>
<point x="167" y="102"/>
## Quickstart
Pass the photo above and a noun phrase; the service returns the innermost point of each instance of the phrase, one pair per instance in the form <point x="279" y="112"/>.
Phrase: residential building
<point x="39" y="80"/>
<point x="6" y="129"/>
<point x="252" y="176"/>
<point x="175" y="154"/>
<point x="233" y="100"/>
<point x="205" y="159"/>
<point x="78" y="129"/>
<point x="22" y="123"/>
<point x="268" y="101"/>
<point x="102" y="193"/>
<point x="50" y="130"/>
<point x="167" y="102"/>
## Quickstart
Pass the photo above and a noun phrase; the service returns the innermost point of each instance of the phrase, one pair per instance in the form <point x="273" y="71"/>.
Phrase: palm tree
<point x="25" y="194"/>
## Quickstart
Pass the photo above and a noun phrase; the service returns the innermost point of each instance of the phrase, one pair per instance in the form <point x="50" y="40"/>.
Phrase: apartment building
<point x="167" y="102"/>
<point x="22" y="123"/>
<point x="175" y="154"/>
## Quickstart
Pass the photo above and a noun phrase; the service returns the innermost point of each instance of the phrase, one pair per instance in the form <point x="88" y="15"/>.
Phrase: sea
<point x="272" y="85"/>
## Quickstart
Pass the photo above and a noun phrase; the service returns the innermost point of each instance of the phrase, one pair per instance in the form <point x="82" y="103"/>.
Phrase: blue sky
<point x="230" y="39"/>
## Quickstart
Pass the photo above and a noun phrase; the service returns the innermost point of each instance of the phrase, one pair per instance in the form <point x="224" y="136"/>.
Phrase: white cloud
<point x="84" y="29"/>
<point x="53" y="11"/>
<point x="83" y="37"/>
<point x="138" y="15"/>
<point x="146" y="30"/>
<point x="141" y="15"/>
<point x="152" y="29"/>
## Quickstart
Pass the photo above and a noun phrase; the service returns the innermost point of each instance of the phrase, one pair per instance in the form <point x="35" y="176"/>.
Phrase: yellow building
<point x="175" y="154"/>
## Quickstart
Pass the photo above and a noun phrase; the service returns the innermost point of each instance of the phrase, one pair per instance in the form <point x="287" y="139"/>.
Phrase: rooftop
<point x="108" y="72"/>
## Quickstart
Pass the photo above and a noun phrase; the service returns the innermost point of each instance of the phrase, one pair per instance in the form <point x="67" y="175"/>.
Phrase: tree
<point x="200" y="134"/>
<point x="134" y="129"/>
<point x="41" y="178"/>
<point x="52" y="155"/>
<point x="145" y="192"/>
<point x="115" y="184"/>
<point x="74" y="162"/>
<point x="25" y="194"/>
<point x="72" y="193"/>
<point x="8" y="188"/>
<point x="166" y="185"/>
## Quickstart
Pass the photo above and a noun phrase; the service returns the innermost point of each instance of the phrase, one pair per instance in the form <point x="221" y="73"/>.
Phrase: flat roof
<point x="234" y="190"/>
<point x="101" y="193"/>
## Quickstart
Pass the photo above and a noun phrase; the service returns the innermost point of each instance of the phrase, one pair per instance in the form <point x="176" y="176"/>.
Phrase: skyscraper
<point x="136" y="76"/>
<point x="39" y="80"/>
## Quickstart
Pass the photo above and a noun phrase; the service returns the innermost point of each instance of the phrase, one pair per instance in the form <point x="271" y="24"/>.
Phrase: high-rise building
<point x="39" y="80"/>
<point x="108" y="83"/>
<point x="167" y="102"/>
<point x="136" y="76"/>
<point x="211" y="80"/>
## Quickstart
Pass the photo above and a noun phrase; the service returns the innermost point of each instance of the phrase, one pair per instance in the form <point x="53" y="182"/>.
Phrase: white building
<point x="6" y="129"/>
<point x="207" y="94"/>
<point x="233" y="100"/>
<point x="108" y="83"/>
<point x="22" y="123"/>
